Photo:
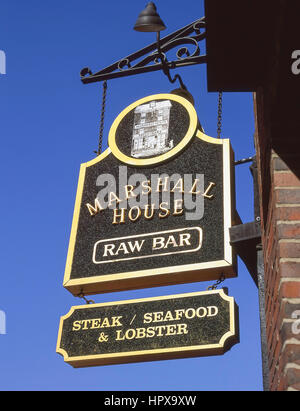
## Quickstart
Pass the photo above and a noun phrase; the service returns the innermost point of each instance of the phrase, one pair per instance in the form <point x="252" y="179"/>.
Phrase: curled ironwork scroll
<point x="185" y="42"/>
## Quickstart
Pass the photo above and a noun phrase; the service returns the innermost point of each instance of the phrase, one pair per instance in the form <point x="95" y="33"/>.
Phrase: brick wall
<point x="280" y="212"/>
<point x="277" y="140"/>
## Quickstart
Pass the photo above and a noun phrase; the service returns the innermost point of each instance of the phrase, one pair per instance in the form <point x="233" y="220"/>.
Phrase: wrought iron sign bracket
<point x="153" y="57"/>
<point x="246" y="238"/>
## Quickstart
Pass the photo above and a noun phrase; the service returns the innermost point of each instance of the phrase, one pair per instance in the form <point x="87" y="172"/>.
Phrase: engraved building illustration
<point x="150" y="135"/>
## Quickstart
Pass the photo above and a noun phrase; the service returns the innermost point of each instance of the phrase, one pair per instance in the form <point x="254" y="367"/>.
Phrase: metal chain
<point x="219" y="281"/>
<point x="102" y="118"/>
<point x="219" y="123"/>
<point x="81" y="295"/>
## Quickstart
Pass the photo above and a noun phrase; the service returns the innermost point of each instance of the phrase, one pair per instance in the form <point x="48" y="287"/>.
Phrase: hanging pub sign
<point x="155" y="208"/>
<point x="177" y="326"/>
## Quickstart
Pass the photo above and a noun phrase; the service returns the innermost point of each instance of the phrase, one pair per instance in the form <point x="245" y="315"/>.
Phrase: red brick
<point x="295" y="387"/>
<point x="288" y="367"/>
<point x="287" y="196"/>
<point x="289" y="269"/>
<point x="288" y="230"/>
<point x="288" y="213"/>
<point x="279" y="164"/>
<point x="288" y="307"/>
<point x="291" y="354"/>
<point x="289" y="250"/>
<point x="286" y="179"/>
<point x="290" y="289"/>
<point x="281" y="385"/>
<point x="293" y="376"/>
<point x="277" y="350"/>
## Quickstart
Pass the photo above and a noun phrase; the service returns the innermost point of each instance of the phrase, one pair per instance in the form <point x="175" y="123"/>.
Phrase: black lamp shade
<point x="149" y="20"/>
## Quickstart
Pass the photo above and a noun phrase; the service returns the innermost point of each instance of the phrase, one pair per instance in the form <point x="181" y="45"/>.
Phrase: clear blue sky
<point x="49" y="126"/>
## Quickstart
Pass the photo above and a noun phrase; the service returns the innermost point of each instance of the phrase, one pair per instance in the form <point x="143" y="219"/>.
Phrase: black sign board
<point x="155" y="208"/>
<point x="176" y="326"/>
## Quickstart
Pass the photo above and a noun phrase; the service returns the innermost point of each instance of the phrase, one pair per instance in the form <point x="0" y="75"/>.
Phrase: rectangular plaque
<point x="148" y="329"/>
<point x="188" y="240"/>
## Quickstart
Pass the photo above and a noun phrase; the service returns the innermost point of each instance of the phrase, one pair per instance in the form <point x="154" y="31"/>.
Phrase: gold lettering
<point x="130" y="334"/>
<point x="96" y="209"/>
<point x="146" y="214"/>
<point x="116" y="321"/>
<point x="105" y="323"/>
<point x="163" y="185"/>
<point x="113" y="197"/>
<point x="203" y="309"/>
<point x="178" y="210"/>
<point x="119" y="215"/>
<point x="136" y="246"/>
<point x="150" y="332"/>
<point x="158" y="242"/>
<point x="129" y="191"/>
<point x="171" y="329"/>
<point x="188" y="313"/>
<point x="147" y="318"/>
<point x="169" y="316"/>
<point x="159" y="330"/>
<point x="85" y="322"/>
<point x="120" y="335"/>
<point x="191" y="315"/>
<point x="122" y="247"/>
<point x="184" y="238"/>
<point x="182" y="329"/>
<point x="140" y="333"/>
<point x="205" y="194"/>
<point x="158" y="316"/>
<point x="108" y="248"/>
<point x="76" y="326"/>
<point x="138" y="214"/>
<point x="178" y="185"/>
<point x="167" y="212"/>
<point x="179" y="314"/>
<point x="194" y="187"/>
<point x="212" y="311"/>
<point x="96" y="323"/>
<point x="147" y="186"/>
<point x="171" y="240"/>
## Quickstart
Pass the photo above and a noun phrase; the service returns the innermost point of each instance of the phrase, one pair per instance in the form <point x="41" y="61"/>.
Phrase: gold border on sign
<point x="226" y="341"/>
<point x="165" y="275"/>
<point x="76" y="212"/>
<point x="163" y="157"/>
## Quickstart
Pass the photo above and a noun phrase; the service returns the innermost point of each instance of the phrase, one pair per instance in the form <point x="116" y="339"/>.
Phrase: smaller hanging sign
<point x="148" y="329"/>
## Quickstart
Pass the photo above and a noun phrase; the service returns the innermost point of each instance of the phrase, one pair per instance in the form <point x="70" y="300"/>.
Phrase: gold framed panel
<point x="163" y="157"/>
<point x="143" y="278"/>
<point x="228" y="339"/>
